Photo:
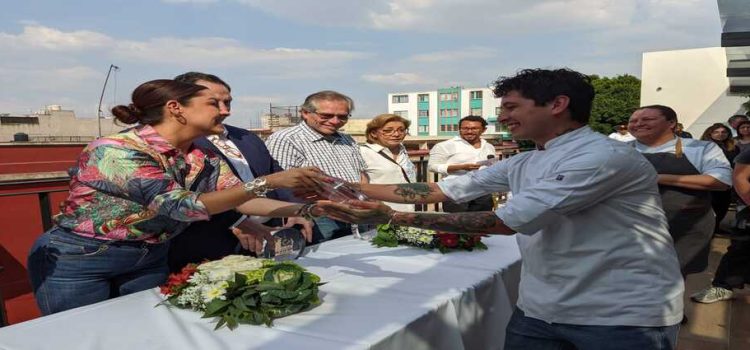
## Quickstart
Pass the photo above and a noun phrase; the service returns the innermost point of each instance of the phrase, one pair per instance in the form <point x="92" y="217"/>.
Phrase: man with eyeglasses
<point x="460" y="155"/>
<point x="316" y="141"/>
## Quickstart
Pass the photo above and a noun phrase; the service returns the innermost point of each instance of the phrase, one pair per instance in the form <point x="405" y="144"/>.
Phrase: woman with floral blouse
<point x="135" y="190"/>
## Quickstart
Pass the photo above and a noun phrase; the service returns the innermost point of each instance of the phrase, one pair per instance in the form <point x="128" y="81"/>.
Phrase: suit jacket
<point x="212" y="239"/>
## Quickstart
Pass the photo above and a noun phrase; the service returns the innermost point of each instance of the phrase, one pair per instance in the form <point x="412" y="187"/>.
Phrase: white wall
<point x="693" y="82"/>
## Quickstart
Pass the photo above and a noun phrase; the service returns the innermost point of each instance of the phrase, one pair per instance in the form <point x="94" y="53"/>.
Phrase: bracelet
<point x="256" y="187"/>
<point x="306" y="211"/>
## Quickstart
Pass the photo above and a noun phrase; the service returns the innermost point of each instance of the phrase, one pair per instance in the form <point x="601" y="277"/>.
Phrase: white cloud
<point x="45" y="38"/>
<point x="458" y="55"/>
<point x="223" y="52"/>
<point x="398" y="79"/>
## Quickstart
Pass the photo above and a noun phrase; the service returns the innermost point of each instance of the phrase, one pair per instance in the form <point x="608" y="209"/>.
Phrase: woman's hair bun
<point x="127" y="114"/>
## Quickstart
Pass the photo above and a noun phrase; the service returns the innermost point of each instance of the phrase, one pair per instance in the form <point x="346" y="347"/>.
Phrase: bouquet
<point x="393" y="235"/>
<point x="241" y="289"/>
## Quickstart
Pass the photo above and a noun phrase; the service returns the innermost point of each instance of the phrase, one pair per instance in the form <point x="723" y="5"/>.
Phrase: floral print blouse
<point x="136" y="186"/>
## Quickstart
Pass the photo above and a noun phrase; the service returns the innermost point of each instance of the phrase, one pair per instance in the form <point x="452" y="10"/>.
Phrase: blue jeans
<point x="68" y="271"/>
<point x="531" y="334"/>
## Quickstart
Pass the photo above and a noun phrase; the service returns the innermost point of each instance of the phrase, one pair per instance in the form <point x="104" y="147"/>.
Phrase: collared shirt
<point x="620" y="137"/>
<point x="230" y="150"/>
<point x="593" y="236"/>
<point x="300" y="146"/>
<point x="707" y="157"/>
<point x="233" y="154"/>
<point x="457" y="151"/>
<point x="380" y="170"/>
<point x="136" y="186"/>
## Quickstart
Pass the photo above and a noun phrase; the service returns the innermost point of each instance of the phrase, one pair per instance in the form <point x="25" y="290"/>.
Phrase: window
<point x="423" y="113"/>
<point x="476" y="95"/>
<point x="454" y="112"/>
<point x="402" y="114"/>
<point x="400" y="99"/>
<point x="451" y="96"/>
<point x="476" y="111"/>
<point x="443" y="112"/>
<point x="423" y="129"/>
<point x="498" y="110"/>
<point x="423" y="98"/>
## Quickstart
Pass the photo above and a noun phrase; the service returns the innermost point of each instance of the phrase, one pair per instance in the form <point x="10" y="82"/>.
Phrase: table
<point x="377" y="298"/>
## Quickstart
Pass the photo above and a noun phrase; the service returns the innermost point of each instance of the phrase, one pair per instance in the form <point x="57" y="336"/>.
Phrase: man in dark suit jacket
<point x="214" y="239"/>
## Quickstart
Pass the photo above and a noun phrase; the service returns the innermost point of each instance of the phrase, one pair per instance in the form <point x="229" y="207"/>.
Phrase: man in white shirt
<point x="599" y="269"/>
<point x="460" y="155"/>
<point x="621" y="134"/>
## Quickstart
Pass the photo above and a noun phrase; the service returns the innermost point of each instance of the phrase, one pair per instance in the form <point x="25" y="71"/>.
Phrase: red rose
<point x="448" y="240"/>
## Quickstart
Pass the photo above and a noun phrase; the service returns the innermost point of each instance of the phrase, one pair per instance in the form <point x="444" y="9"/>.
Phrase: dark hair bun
<point x="127" y="114"/>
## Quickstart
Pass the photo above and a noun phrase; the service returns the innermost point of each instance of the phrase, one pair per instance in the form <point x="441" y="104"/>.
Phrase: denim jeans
<point x="68" y="271"/>
<point x="531" y="334"/>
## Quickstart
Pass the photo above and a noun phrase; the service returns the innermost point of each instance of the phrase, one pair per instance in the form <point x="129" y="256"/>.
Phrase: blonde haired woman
<point x="385" y="154"/>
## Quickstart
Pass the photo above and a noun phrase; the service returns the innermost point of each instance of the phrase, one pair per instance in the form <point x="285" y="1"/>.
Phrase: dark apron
<point x="689" y="213"/>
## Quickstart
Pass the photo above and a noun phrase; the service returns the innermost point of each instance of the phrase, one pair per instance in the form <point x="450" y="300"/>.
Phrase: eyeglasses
<point x="329" y="116"/>
<point x="394" y="131"/>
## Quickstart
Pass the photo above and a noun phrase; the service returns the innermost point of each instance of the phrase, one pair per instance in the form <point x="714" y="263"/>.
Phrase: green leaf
<point x="231" y="322"/>
<point x="240" y="279"/>
<point x="239" y="303"/>
<point x="266" y="285"/>
<point x="215" y="308"/>
<point x="221" y="323"/>
<point x="304" y="295"/>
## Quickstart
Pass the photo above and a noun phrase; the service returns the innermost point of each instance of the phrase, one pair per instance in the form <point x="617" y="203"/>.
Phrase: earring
<point x="180" y="119"/>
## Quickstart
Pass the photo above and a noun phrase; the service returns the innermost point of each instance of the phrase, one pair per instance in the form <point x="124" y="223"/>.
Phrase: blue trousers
<point x="531" y="334"/>
<point x="68" y="270"/>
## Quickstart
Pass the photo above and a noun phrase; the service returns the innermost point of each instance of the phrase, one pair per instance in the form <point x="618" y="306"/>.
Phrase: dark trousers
<point x="526" y="333"/>
<point x="720" y="203"/>
<point x="734" y="268"/>
<point x="483" y="203"/>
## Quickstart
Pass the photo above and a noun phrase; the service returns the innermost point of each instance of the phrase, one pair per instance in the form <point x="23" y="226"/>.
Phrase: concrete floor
<point x="723" y="325"/>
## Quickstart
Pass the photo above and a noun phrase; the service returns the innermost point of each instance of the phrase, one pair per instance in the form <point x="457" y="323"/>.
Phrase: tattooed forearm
<point x="413" y="193"/>
<point x="477" y="222"/>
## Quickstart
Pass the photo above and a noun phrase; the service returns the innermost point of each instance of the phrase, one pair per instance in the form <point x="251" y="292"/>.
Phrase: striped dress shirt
<point x="300" y="146"/>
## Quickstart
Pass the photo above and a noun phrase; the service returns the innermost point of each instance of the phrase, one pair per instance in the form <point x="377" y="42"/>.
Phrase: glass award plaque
<point x="338" y="190"/>
<point x="289" y="244"/>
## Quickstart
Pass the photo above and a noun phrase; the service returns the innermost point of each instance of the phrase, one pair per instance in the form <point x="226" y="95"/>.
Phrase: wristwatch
<point x="257" y="187"/>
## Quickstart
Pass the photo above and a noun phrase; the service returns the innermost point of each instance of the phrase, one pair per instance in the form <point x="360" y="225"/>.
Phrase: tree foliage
<point x="616" y="99"/>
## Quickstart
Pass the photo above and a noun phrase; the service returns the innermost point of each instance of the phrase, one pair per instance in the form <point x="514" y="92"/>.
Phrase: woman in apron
<point x="689" y="170"/>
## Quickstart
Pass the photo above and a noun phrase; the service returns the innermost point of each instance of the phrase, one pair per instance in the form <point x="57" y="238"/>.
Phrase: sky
<point x="279" y="51"/>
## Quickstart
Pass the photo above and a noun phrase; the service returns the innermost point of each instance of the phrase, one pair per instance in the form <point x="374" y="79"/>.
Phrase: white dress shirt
<point x="380" y="170"/>
<point x="238" y="161"/>
<point x="457" y="151"/>
<point x="592" y="233"/>
<point x="620" y="137"/>
<point x="707" y="157"/>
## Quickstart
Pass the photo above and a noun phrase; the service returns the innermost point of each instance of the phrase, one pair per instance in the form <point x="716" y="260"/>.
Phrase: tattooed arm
<point x="485" y="222"/>
<point x="404" y="193"/>
<point x="474" y="222"/>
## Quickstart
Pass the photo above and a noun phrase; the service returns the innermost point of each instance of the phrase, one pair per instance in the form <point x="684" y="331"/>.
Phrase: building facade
<point x="694" y="83"/>
<point x="437" y="112"/>
<point x="54" y="124"/>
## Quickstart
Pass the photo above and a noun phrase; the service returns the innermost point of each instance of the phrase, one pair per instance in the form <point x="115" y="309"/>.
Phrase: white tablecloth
<point x="379" y="298"/>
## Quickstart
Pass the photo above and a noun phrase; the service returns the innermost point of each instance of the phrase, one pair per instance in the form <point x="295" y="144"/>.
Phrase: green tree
<point x="616" y="99"/>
